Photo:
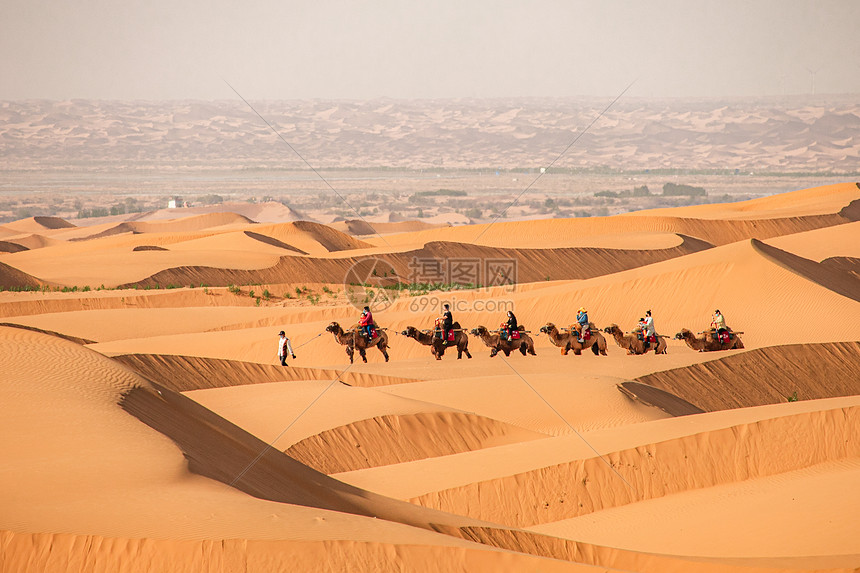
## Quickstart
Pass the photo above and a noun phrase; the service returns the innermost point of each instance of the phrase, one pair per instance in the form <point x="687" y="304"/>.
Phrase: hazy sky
<point x="431" y="49"/>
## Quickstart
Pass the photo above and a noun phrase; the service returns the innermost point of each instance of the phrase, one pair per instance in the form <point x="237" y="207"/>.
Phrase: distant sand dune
<point x="329" y="238"/>
<point x="38" y="224"/>
<point x="9" y="247"/>
<point x="532" y="264"/>
<point x="11" y="277"/>
<point x="184" y="225"/>
<point x="274" y="242"/>
<point x="716" y="224"/>
<point x="34" y="241"/>
<point x="360" y="227"/>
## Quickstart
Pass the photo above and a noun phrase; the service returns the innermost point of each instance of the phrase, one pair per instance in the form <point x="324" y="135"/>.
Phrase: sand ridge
<point x="156" y="427"/>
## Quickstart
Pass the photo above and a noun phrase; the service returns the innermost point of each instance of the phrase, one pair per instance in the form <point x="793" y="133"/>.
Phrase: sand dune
<point x="402" y="438"/>
<point x="359" y="227"/>
<point x="183" y="225"/>
<point x="719" y="460"/>
<point x="531" y="265"/>
<point x="156" y="430"/>
<point x="265" y="212"/>
<point x="38" y="225"/>
<point x="717" y="224"/>
<point x="274" y="242"/>
<point x="766" y="376"/>
<point x="10" y="247"/>
<point x="57" y="302"/>
<point x="33" y="241"/>
<point x="10" y="277"/>
<point x="823" y="243"/>
<point x="185" y="373"/>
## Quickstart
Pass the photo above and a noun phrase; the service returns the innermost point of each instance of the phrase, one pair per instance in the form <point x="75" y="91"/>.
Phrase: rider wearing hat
<point x="718" y="323"/>
<point x="581" y="323"/>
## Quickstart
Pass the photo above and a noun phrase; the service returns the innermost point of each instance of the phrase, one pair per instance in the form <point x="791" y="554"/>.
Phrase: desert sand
<point x="148" y="424"/>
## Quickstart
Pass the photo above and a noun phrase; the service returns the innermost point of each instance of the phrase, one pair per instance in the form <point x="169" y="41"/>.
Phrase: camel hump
<point x="455" y="325"/>
<point x="520" y="327"/>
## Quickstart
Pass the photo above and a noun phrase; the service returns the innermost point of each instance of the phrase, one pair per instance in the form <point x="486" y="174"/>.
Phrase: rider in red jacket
<point x="366" y="321"/>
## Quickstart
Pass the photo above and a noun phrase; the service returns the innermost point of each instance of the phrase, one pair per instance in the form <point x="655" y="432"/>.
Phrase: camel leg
<point x="493" y="352"/>
<point x="523" y="349"/>
<point x="466" y="350"/>
<point x="349" y="352"/>
<point x="594" y="349"/>
<point x="363" y="354"/>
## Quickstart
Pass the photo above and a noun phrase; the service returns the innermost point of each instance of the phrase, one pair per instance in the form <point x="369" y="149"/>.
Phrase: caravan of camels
<point x="574" y="338"/>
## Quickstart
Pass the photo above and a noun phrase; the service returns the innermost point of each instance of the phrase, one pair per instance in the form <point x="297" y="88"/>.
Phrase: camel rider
<point x="447" y="322"/>
<point x="648" y="328"/>
<point x="581" y="323"/>
<point x="511" y="325"/>
<point x="718" y="323"/>
<point x="366" y="322"/>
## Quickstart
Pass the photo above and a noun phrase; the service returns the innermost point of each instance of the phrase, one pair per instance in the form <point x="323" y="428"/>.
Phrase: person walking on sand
<point x="284" y="348"/>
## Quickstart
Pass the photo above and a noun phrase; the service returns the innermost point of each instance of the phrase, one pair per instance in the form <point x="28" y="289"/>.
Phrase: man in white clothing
<point x="284" y="348"/>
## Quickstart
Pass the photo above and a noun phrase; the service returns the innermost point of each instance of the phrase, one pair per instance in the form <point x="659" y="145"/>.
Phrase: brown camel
<point x="631" y="342"/>
<point x="525" y="344"/>
<point x="568" y="341"/>
<point x="707" y="342"/>
<point x="429" y="338"/>
<point x="354" y="340"/>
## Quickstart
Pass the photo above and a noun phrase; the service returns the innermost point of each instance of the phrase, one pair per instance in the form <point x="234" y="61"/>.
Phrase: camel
<point x="525" y="344"/>
<point x="353" y="340"/>
<point x="569" y="341"/>
<point x="429" y="338"/>
<point x="707" y="342"/>
<point x="631" y="342"/>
